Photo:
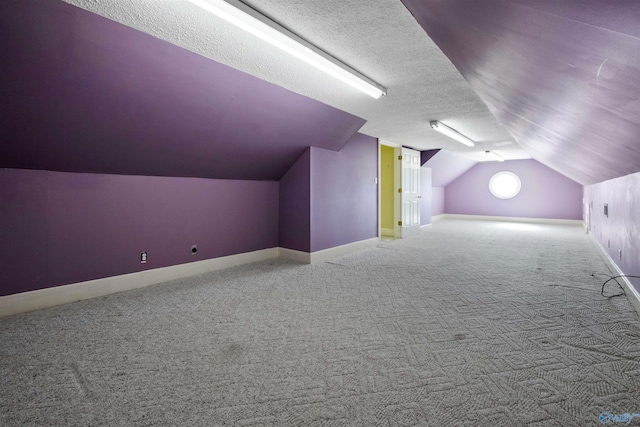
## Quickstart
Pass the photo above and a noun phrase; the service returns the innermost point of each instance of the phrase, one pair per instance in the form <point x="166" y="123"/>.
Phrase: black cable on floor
<point x="610" y="278"/>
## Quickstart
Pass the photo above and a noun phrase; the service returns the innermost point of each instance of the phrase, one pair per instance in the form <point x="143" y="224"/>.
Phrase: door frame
<point x="396" y="214"/>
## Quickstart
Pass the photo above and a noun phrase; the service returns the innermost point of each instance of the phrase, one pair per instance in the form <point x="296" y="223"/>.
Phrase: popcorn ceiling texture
<point x="378" y="38"/>
<point x="88" y="94"/>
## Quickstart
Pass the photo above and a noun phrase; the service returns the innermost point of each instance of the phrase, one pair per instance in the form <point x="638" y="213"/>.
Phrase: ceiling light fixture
<point x="446" y="130"/>
<point x="246" y="18"/>
<point x="494" y="156"/>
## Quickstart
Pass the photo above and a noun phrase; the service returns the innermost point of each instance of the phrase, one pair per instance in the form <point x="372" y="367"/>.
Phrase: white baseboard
<point x="327" y="254"/>
<point x="58" y="295"/>
<point x="515" y="219"/>
<point x="292" y="254"/>
<point x="424" y="227"/>
<point x="630" y="291"/>
<point x="43" y="298"/>
<point x="438" y="217"/>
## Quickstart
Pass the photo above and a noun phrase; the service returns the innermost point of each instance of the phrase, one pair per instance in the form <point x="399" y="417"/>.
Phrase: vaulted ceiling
<point x="162" y="88"/>
<point x="379" y="38"/>
<point x="81" y="93"/>
<point x="563" y="76"/>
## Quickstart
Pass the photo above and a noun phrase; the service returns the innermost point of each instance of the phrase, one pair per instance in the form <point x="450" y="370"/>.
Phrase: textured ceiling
<point x="379" y="38"/>
<point x="81" y="93"/>
<point x="562" y="76"/>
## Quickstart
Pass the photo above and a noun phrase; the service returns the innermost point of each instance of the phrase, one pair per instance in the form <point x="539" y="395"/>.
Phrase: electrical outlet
<point x="194" y="249"/>
<point x="143" y="257"/>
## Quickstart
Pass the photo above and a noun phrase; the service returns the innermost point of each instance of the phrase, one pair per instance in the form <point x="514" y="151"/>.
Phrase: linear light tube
<point x="494" y="156"/>
<point x="446" y="130"/>
<point x="251" y="21"/>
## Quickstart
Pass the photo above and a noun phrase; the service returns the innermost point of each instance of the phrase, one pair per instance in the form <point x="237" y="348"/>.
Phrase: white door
<point x="408" y="204"/>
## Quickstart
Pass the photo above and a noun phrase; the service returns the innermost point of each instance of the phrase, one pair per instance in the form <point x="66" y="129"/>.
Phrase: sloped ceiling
<point x="82" y="93"/>
<point x="379" y="38"/>
<point x="446" y="166"/>
<point x="563" y="76"/>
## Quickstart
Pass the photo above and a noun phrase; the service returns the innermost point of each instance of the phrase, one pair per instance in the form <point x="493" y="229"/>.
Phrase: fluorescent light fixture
<point x="494" y="156"/>
<point x="446" y="130"/>
<point x="246" y="18"/>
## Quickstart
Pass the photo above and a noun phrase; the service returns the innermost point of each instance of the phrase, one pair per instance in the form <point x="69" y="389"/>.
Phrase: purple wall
<point x="622" y="227"/>
<point x="426" y="155"/>
<point x="563" y="77"/>
<point x="437" y="201"/>
<point x="61" y="228"/>
<point x="446" y="166"/>
<point x="344" y="195"/>
<point x="425" y="193"/>
<point x="82" y="93"/>
<point x="295" y="206"/>
<point x="544" y="194"/>
<point x="24" y="224"/>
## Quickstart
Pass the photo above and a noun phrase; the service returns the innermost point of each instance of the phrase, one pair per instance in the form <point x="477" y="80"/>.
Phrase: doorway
<point x="387" y="196"/>
<point x="399" y="191"/>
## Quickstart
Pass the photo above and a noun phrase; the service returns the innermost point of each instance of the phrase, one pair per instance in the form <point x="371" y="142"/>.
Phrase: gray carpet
<point x="470" y="324"/>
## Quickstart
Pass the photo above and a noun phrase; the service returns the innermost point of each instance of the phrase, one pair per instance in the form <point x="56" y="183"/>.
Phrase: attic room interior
<point x="432" y="221"/>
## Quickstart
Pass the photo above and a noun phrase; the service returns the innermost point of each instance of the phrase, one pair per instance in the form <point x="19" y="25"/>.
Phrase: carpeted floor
<point x="470" y="324"/>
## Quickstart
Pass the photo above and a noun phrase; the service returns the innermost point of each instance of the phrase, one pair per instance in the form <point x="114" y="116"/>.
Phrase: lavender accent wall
<point x="544" y="194"/>
<point x="437" y="201"/>
<point x="344" y="195"/>
<point x="82" y="93"/>
<point x="61" y="228"/>
<point x="425" y="193"/>
<point x="622" y="228"/>
<point x="294" y="222"/>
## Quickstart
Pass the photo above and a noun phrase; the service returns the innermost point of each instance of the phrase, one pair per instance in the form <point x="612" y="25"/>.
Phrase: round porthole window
<point x="504" y="185"/>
